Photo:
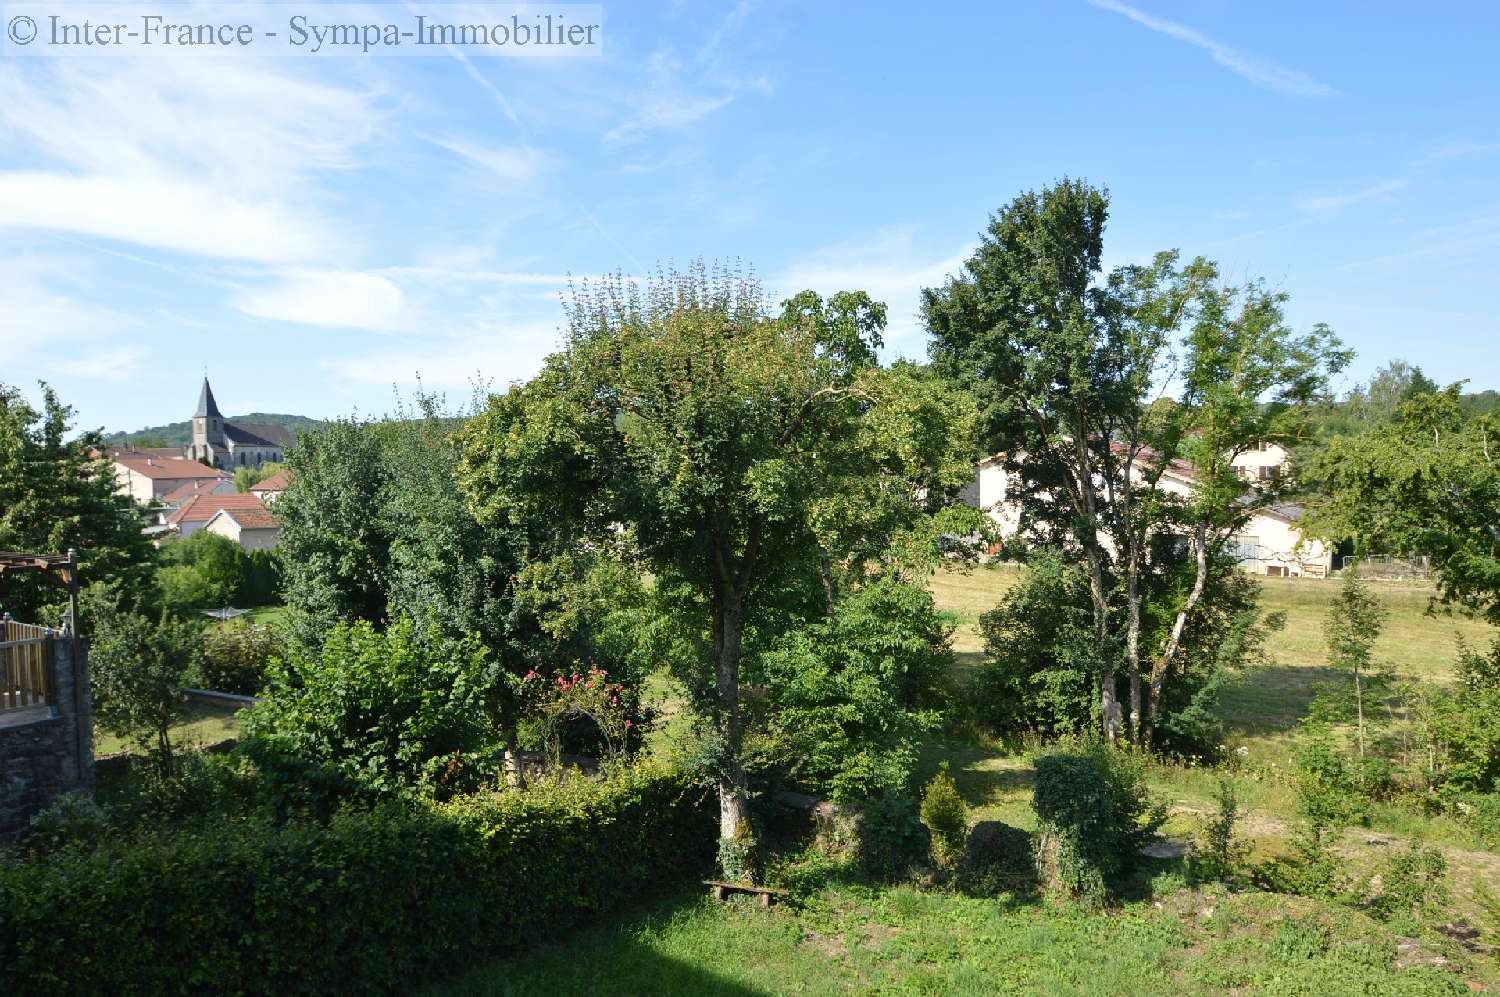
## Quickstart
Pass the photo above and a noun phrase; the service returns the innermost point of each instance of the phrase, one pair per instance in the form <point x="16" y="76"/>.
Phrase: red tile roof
<point x="171" y="468"/>
<point x="201" y="508"/>
<point x="251" y="519"/>
<point x="198" y="486"/>
<point x="275" y="483"/>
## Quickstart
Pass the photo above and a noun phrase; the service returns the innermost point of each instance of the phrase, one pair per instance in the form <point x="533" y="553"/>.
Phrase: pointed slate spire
<point x="206" y="404"/>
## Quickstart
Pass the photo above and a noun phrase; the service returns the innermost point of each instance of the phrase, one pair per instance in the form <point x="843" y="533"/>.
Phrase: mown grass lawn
<point x="204" y="724"/>
<point x="854" y="939"/>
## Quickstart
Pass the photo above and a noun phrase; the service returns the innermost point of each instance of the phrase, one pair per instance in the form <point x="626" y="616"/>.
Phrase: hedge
<point x="368" y="902"/>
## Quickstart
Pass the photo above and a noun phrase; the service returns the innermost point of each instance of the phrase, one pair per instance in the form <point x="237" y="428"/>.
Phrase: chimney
<point x="150" y="462"/>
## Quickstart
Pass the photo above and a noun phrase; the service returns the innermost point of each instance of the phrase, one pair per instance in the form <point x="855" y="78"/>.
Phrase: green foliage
<point x="404" y="709"/>
<point x="246" y="478"/>
<point x="333" y="548"/>
<point x="852" y="694"/>
<point x="1462" y="725"/>
<point x="1329" y="784"/>
<point x="737" y="854"/>
<point x="1094" y="816"/>
<point x="1218" y="854"/>
<point x="1039" y="667"/>
<point x="998" y="859"/>
<point x="208" y="571"/>
<point x="1426" y="483"/>
<point x="1412" y="885"/>
<point x="56" y="492"/>
<point x="1039" y="652"/>
<point x="367" y="903"/>
<point x="945" y="815"/>
<point x="1351" y="627"/>
<point x="236" y="658"/>
<point x="891" y="839"/>
<point x="728" y="448"/>
<point x="137" y="669"/>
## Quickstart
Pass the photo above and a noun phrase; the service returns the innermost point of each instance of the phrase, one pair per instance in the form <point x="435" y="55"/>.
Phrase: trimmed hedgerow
<point x="363" y="903"/>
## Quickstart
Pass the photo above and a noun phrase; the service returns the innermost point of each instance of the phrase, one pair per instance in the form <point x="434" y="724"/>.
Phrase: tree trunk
<point x="1133" y="636"/>
<point x="1163" y="661"/>
<point x="1359" y="707"/>
<point x="733" y="788"/>
<point x="1109" y="702"/>
<point x="515" y="765"/>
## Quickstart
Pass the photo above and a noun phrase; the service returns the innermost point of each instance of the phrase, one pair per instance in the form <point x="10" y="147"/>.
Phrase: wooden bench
<point x="722" y="891"/>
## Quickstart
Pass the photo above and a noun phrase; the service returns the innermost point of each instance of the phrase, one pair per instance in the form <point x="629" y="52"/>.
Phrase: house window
<point x="1269" y="472"/>
<point x="1243" y="548"/>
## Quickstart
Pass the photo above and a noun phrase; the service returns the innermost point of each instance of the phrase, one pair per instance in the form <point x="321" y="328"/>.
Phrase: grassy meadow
<point x="842" y="937"/>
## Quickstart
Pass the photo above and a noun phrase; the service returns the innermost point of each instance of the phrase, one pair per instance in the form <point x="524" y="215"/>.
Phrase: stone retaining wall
<point x="50" y="750"/>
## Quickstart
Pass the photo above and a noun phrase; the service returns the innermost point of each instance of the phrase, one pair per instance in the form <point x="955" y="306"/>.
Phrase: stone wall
<point x="49" y="750"/>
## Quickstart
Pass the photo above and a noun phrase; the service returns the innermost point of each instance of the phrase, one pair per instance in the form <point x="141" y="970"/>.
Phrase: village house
<point x="196" y="512"/>
<point x="250" y="527"/>
<point x="148" y="475"/>
<point x="1269" y="544"/>
<point x="271" y="488"/>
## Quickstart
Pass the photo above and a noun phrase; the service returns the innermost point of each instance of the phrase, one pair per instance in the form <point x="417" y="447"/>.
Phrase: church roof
<point x="256" y="435"/>
<point x="206" y="404"/>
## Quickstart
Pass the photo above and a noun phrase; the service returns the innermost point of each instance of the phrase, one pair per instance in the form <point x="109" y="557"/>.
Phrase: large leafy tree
<point x="1064" y="364"/>
<point x="1426" y="483"/>
<point x="1070" y="366"/>
<point x="717" y="439"/>
<point x="1247" y="378"/>
<point x="58" y="491"/>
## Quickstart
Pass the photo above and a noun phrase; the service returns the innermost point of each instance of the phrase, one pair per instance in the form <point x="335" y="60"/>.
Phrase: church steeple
<point x="208" y="429"/>
<point x="206" y="404"/>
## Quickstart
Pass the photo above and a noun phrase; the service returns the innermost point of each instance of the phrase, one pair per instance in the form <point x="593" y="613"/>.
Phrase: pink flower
<point x="628" y="725"/>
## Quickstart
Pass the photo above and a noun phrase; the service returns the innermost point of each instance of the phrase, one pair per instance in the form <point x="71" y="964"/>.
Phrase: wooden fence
<point x="25" y="666"/>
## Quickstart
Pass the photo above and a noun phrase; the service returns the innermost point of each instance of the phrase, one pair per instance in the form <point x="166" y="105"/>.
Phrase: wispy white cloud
<point x="1267" y="75"/>
<point x="211" y="157"/>
<point x="1461" y="149"/>
<point x="47" y="325"/>
<point x="665" y="103"/>
<point x="490" y="352"/>
<point x="338" y="299"/>
<point x="163" y="214"/>
<point x="516" y="166"/>
<point x="1323" y="203"/>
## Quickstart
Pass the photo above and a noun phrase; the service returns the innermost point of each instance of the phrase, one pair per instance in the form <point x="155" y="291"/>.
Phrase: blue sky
<point x="313" y="231"/>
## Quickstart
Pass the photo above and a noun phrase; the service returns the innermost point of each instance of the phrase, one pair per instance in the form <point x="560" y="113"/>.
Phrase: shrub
<point x="1039" y="652"/>
<point x="1218" y="854"/>
<point x="1311" y="870"/>
<point x="1041" y="660"/>
<point x="385" y="712"/>
<point x="137" y="667"/>
<point x="853" y="694"/>
<point x="1095" y="817"/>
<point x="370" y="902"/>
<point x="1411" y="884"/>
<point x="891" y="839"/>
<point x="235" y="658"/>
<point x="945" y="815"/>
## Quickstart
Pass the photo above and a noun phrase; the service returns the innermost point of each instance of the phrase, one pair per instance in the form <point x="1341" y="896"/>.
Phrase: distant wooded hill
<point x="180" y="434"/>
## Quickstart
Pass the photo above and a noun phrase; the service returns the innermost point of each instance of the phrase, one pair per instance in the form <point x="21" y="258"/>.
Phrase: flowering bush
<point x="591" y="694"/>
